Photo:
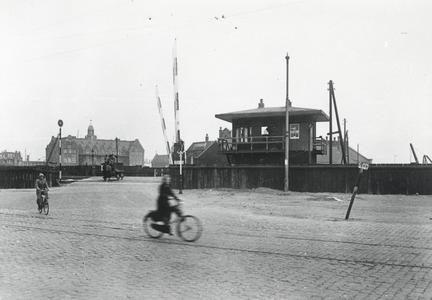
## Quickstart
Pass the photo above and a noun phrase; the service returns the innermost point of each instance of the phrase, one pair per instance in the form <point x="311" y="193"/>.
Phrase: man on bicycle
<point x="164" y="208"/>
<point x="41" y="186"/>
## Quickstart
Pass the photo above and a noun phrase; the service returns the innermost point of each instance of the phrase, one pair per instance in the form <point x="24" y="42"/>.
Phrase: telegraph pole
<point x="287" y="106"/>
<point x="332" y="99"/>
<point x="330" y="124"/>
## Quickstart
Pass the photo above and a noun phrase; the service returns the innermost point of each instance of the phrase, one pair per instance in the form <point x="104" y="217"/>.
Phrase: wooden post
<point x="362" y="166"/>
<point x="354" y="194"/>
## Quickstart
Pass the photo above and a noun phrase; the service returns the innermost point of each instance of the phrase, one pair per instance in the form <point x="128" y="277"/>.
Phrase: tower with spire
<point x="92" y="151"/>
<point x="90" y="133"/>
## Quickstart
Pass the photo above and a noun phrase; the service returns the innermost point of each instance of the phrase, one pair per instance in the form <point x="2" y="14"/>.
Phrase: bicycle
<point x="44" y="205"/>
<point x="188" y="227"/>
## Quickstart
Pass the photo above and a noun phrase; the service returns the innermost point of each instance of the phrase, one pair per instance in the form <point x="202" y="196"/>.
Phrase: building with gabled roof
<point x="205" y="153"/>
<point x="160" y="161"/>
<point x="92" y="151"/>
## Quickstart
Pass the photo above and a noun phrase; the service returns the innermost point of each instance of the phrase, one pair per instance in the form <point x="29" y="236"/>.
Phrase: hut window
<point x="242" y="133"/>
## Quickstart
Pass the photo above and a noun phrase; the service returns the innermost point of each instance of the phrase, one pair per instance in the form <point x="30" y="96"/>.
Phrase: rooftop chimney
<point x="207" y="138"/>
<point x="261" y="104"/>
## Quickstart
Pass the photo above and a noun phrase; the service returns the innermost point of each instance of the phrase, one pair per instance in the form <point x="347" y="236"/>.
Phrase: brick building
<point x="160" y="161"/>
<point x="10" y="158"/>
<point x="92" y="151"/>
<point x="207" y="152"/>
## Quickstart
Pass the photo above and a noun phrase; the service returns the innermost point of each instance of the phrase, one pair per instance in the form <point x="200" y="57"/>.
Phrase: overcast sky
<point x="100" y="61"/>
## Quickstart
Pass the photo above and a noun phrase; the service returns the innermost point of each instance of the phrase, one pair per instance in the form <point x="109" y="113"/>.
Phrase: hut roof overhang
<point x="265" y="112"/>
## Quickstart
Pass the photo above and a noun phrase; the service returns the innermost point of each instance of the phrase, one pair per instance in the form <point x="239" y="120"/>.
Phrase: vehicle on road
<point x="44" y="205"/>
<point x="112" y="170"/>
<point x="187" y="227"/>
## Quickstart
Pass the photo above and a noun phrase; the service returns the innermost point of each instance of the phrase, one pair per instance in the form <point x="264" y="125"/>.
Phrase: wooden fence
<point x="25" y="177"/>
<point x="378" y="179"/>
<point x="12" y="177"/>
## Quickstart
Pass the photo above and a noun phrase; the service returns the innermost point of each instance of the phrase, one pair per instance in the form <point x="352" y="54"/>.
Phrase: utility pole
<point x="332" y="98"/>
<point x="331" y="126"/>
<point x="345" y="139"/>
<point x="287" y="128"/>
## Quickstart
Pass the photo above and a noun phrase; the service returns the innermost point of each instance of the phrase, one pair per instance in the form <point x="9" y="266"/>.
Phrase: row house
<point x="10" y="158"/>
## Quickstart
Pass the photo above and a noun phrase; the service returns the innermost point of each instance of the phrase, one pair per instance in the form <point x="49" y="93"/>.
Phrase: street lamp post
<point x="60" y="124"/>
<point x="181" y="174"/>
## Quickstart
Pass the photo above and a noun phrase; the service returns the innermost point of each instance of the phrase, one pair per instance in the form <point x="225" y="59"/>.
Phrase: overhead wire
<point x="64" y="21"/>
<point x="188" y="24"/>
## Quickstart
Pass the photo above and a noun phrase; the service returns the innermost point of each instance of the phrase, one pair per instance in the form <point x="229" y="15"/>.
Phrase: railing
<point x="252" y="144"/>
<point x="263" y="144"/>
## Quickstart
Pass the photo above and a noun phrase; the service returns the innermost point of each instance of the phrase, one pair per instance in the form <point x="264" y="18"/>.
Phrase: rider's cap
<point x="41" y="174"/>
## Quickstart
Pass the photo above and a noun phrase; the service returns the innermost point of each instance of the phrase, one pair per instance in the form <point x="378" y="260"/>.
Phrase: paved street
<point x="260" y="244"/>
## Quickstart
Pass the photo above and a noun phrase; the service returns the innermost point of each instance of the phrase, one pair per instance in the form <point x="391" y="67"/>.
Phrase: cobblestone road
<point x="260" y="244"/>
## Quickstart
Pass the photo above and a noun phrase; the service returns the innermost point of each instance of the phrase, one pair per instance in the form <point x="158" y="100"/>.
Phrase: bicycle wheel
<point x="148" y="224"/>
<point x="189" y="228"/>
<point x="46" y="207"/>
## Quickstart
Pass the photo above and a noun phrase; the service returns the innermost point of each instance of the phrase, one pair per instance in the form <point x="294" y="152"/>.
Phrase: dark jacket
<point x="165" y="192"/>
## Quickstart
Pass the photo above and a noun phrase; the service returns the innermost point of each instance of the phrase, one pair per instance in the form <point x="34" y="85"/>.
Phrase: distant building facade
<point x="207" y="152"/>
<point x="11" y="158"/>
<point x="15" y="159"/>
<point x="160" y="161"/>
<point x="92" y="151"/>
<point x="27" y="162"/>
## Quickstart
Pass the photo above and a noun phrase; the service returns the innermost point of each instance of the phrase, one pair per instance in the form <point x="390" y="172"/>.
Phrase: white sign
<point x="363" y="166"/>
